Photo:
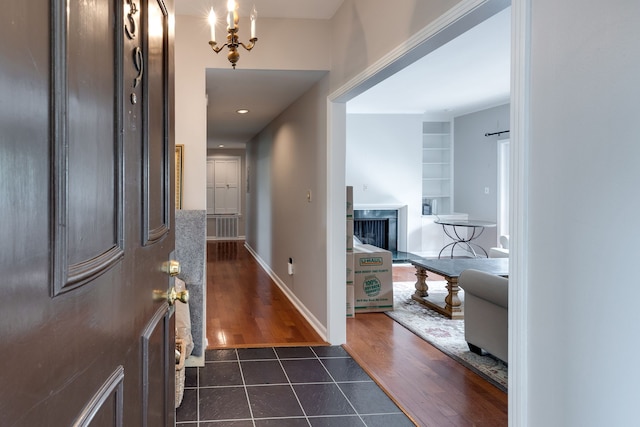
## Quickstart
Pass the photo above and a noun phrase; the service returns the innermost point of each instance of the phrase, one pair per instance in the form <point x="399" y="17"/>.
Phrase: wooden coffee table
<point x="451" y="269"/>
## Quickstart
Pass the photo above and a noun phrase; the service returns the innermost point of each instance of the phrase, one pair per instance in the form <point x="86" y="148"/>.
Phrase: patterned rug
<point x="445" y="334"/>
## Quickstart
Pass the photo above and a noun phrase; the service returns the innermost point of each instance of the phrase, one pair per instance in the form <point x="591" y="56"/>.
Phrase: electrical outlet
<point x="486" y="190"/>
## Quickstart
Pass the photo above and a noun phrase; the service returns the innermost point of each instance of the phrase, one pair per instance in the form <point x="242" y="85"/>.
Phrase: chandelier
<point x="232" y="32"/>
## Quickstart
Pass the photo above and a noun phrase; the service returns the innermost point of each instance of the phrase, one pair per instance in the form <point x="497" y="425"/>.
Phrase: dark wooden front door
<point x="86" y="213"/>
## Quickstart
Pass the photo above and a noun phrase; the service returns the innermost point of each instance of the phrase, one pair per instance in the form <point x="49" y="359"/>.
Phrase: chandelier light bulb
<point x="253" y="17"/>
<point x="212" y="24"/>
<point x="231" y="14"/>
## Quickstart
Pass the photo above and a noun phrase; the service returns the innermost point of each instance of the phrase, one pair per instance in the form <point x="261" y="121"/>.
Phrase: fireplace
<point x="377" y="227"/>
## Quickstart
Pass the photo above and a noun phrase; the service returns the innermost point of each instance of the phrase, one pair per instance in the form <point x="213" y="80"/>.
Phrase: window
<point x="503" y="187"/>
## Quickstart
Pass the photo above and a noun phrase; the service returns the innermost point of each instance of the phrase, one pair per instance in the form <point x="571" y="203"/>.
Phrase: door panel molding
<point x="113" y="387"/>
<point x="76" y="259"/>
<point x="156" y="156"/>
<point x="160" y="324"/>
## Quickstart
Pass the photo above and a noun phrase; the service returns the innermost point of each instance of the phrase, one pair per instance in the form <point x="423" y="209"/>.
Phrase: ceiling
<point x="294" y="9"/>
<point x="468" y="74"/>
<point x="265" y="93"/>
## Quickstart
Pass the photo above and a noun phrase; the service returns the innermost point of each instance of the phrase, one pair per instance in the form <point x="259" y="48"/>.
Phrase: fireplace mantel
<point x="401" y="219"/>
<point x="364" y="207"/>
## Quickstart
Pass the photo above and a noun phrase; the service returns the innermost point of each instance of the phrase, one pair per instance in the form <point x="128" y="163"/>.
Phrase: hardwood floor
<point x="433" y="389"/>
<point x="246" y="309"/>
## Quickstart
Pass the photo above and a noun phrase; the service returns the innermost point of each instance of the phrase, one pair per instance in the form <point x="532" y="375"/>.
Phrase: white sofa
<point x="486" y="319"/>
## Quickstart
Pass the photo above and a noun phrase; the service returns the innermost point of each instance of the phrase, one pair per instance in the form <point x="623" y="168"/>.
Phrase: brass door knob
<point x="172" y="268"/>
<point x="172" y="296"/>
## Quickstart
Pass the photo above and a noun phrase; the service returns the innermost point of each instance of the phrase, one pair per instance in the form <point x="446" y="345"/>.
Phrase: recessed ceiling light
<point x="242" y="111"/>
<point x="221" y="146"/>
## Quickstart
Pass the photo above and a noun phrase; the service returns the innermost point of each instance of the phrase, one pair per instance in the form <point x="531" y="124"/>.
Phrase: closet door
<point x="226" y="186"/>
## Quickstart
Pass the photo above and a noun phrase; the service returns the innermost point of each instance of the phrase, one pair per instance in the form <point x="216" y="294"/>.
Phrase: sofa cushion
<point x="486" y="286"/>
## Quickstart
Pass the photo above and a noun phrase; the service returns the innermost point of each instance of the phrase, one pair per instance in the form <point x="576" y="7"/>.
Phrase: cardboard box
<point x="350" y="269"/>
<point x="349" y="235"/>
<point x="349" y="202"/>
<point x="373" y="279"/>
<point x="350" y="301"/>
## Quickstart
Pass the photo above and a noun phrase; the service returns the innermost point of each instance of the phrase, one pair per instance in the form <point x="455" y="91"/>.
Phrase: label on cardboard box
<point x="369" y="261"/>
<point x="373" y="280"/>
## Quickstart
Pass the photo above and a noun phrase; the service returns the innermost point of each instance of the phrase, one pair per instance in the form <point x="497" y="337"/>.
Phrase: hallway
<point x="246" y="309"/>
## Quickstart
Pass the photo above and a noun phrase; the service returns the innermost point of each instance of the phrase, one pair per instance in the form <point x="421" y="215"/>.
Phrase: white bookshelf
<point x="437" y="173"/>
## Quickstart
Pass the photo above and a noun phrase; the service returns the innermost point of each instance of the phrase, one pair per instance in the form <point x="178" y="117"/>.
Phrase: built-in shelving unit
<point x="436" y="168"/>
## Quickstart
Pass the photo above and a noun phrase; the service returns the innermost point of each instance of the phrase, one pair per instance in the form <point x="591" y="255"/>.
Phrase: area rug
<point x="443" y="333"/>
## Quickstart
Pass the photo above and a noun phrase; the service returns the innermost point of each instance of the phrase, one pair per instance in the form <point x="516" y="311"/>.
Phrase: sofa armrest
<point x="486" y="286"/>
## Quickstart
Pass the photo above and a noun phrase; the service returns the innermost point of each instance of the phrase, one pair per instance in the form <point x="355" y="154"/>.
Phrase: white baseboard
<point x="313" y="321"/>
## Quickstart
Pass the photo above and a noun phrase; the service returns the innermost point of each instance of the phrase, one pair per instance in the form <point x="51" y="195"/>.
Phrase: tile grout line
<point x="306" y="417"/>
<point x="198" y="393"/>
<point x="244" y="386"/>
<point x="281" y="360"/>
<point x="339" y="388"/>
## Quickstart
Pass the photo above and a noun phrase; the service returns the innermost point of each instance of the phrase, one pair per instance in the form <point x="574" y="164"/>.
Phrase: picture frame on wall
<point x="179" y="159"/>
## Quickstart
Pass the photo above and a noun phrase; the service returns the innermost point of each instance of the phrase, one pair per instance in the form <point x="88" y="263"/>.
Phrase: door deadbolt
<point x="172" y="268"/>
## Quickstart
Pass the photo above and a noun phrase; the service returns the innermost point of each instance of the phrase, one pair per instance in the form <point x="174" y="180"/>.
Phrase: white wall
<point x="384" y="153"/>
<point x="190" y="112"/>
<point x="364" y="31"/>
<point x="582" y="343"/>
<point x="475" y="167"/>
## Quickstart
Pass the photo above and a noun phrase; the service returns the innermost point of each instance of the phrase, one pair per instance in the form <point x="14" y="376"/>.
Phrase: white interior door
<point x="226" y="186"/>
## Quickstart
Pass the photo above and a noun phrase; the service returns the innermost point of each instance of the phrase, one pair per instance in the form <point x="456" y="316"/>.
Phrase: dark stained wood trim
<point x="119" y="114"/>
<point x="153" y="234"/>
<point x="68" y="277"/>
<point x="112" y="386"/>
<point x="58" y="134"/>
<point x="161" y="318"/>
<point x="78" y="274"/>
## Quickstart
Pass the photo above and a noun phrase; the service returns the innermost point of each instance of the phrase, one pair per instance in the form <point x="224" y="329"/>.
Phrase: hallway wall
<point x="286" y="160"/>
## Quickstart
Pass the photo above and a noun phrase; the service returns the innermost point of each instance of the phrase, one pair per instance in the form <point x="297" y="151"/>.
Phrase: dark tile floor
<point x="284" y="386"/>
